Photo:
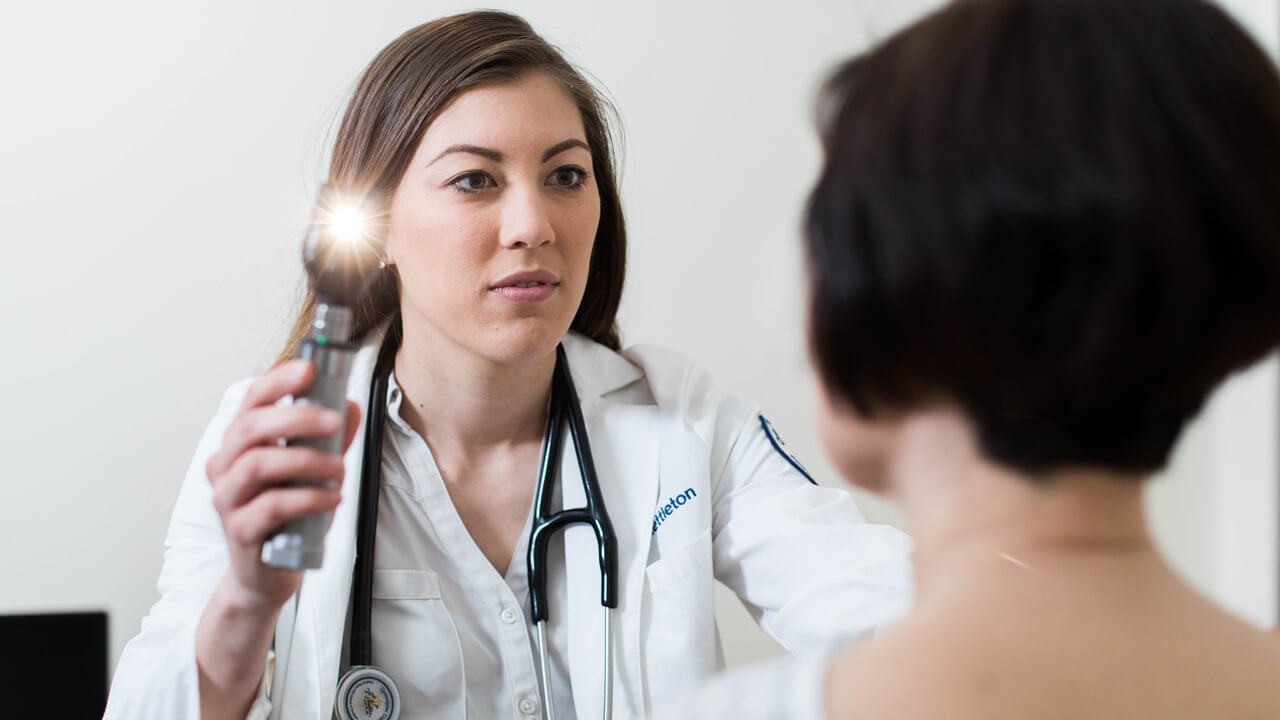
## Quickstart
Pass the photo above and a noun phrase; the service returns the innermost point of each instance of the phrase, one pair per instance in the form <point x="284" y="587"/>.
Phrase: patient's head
<point x="1060" y="217"/>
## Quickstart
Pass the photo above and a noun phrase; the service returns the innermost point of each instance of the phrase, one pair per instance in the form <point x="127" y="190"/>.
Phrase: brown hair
<point x="404" y="88"/>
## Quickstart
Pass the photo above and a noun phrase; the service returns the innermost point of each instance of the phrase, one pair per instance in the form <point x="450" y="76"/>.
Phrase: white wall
<point x="158" y="161"/>
<point x="1216" y="510"/>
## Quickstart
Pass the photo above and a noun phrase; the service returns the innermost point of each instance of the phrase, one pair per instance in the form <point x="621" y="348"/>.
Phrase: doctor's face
<point x="492" y="225"/>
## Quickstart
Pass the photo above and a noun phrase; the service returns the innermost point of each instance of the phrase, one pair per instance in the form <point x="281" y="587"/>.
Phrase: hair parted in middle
<point x="409" y="83"/>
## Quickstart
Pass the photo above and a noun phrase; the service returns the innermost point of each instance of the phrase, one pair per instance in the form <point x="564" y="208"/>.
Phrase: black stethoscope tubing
<point x="361" y="651"/>
<point x="565" y="409"/>
<point x="565" y="405"/>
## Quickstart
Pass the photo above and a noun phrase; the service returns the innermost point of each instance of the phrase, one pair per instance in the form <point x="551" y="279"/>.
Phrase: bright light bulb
<point x="348" y="225"/>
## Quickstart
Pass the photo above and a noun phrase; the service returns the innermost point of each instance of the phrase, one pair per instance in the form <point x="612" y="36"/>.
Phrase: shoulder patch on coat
<point x="776" y="440"/>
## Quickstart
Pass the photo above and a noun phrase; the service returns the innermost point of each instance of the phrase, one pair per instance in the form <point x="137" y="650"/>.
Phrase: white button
<point x="508" y="615"/>
<point x="528" y="705"/>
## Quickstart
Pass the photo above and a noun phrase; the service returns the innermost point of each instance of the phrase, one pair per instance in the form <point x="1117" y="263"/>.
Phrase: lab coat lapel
<point x="624" y="442"/>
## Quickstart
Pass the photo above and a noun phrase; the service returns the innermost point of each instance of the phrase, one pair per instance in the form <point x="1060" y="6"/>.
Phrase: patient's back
<point x="1143" y="647"/>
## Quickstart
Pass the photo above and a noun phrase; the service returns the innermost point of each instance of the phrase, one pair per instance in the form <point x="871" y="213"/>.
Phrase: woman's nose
<point x="525" y="220"/>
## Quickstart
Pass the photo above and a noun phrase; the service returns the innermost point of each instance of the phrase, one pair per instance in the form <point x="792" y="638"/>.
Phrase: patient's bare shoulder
<point x="993" y="668"/>
<point x="1246" y="669"/>
<point x="909" y="671"/>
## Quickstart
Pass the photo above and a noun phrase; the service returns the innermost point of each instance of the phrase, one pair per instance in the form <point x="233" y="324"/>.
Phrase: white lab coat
<point x="801" y="558"/>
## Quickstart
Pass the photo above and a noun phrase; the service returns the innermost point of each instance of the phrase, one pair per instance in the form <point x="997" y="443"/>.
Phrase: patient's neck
<point x="973" y="520"/>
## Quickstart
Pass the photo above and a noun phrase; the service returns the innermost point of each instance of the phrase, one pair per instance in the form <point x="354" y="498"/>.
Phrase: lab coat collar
<point x="597" y="370"/>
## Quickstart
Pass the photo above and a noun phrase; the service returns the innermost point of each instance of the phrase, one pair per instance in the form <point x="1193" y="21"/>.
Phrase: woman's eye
<point x="472" y="182"/>
<point x="570" y="178"/>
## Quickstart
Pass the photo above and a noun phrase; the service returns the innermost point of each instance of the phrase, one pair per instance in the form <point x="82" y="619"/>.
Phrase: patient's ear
<point x="860" y="447"/>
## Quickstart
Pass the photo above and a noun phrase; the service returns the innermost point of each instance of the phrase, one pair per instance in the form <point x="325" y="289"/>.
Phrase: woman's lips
<point x="527" y="287"/>
<point x="536" y="293"/>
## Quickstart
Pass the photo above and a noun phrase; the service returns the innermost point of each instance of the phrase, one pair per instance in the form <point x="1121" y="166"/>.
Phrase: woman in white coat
<point x="488" y="155"/>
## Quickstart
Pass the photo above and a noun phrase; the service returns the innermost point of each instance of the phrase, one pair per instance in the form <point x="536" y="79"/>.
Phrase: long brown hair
<point x="401" y="92"/>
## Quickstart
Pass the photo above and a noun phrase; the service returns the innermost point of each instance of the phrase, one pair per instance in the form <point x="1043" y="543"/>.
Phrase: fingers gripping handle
<point x="299" y="544"/>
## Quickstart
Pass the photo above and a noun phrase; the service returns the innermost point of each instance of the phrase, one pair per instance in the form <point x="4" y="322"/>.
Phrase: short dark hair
<point x="1062" y="215"/>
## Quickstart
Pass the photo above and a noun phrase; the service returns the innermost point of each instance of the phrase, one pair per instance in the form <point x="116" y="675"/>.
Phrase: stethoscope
<point x="366" y="692"/>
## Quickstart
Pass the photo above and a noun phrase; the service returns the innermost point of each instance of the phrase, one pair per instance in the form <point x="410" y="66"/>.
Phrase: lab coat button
<point x="528" y="705"/>
<point x="508" y="615"/>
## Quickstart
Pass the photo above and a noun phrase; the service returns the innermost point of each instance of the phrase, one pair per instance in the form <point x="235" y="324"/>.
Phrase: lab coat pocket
<point x="680" y="645"/>
<point x="405" y="585"/>
<point x="414" y="639"/>
<point x="678" y="565"/>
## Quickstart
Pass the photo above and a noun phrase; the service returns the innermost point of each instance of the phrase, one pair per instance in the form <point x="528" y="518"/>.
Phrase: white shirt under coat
<point x="806" y="565"/>
<point x="456" y="636"/>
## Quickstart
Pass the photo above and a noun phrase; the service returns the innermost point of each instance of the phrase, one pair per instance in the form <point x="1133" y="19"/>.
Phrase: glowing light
<point x="348" y="224"/>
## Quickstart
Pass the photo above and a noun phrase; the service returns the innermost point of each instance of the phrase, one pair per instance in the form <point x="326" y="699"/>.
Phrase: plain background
<point x="157" y="161"/>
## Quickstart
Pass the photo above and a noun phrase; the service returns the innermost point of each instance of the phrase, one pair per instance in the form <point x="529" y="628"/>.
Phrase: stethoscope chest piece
<point x="367" y="693"/>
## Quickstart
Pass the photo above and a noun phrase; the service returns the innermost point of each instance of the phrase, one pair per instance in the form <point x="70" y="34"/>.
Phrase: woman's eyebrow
<point x="562" y="146"/>
<point x="496" y="156"/>
<point x="483" y="152"/>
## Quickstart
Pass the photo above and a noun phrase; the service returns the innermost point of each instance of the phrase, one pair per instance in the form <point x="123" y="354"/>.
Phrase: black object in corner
<point x="54" y="665"/>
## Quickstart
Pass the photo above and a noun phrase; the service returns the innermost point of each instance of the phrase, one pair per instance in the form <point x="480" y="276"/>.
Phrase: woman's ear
<point x="859" y="446"/>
